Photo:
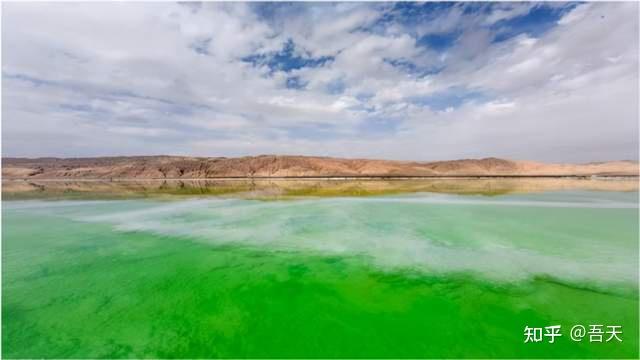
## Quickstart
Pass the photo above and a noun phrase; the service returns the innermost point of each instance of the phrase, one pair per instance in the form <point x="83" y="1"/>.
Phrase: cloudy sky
<point x="538" y="81"/>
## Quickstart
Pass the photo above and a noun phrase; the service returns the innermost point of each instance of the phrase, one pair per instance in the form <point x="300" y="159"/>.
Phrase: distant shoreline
<point x="346" y="178"/>
<point x="289" y="187"/>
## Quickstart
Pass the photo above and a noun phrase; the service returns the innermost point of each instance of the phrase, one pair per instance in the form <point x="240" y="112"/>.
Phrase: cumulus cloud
<point x="551" y="81"/>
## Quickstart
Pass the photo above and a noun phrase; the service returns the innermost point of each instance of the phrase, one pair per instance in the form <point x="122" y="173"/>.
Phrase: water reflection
<point x="277" y="189"/>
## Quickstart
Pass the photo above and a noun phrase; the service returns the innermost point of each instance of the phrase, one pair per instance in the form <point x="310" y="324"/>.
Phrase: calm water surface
<point x="417" y="275"/>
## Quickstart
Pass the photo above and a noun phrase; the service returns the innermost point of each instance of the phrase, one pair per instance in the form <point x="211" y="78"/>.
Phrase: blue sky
<point x="419" y="81"/>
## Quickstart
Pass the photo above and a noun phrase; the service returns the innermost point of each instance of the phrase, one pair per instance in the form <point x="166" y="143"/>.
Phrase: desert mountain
<point x="177" y="167"/>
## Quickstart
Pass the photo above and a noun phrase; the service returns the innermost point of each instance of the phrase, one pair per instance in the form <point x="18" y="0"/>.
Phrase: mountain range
<point x="180" y="167"/>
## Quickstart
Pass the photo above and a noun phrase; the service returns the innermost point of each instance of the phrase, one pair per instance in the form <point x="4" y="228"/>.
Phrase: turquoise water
<point x="416" y="275"/>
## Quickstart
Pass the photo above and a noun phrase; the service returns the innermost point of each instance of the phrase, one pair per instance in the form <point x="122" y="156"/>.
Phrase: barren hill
<point x="177" y="167"/>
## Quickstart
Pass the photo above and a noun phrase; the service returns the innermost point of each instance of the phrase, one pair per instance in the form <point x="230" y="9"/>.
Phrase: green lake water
<point x="404" y="276"/>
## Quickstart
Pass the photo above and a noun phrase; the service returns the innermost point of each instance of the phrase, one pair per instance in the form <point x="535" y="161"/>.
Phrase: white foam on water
<point x="435" y="199"/>
<point x="345" y="226"/>
<point x="49" y="205"/>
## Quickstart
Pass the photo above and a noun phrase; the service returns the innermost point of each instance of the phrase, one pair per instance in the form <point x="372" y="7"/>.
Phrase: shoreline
<point x="343" y="178"/>
<point x="272" y="187"/>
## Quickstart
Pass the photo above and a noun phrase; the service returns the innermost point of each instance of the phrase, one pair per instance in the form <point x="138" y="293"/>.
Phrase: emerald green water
<point x="408" y="276"/>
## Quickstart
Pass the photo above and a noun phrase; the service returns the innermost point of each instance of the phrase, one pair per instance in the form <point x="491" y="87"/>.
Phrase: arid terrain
<point x="271" y="166"/>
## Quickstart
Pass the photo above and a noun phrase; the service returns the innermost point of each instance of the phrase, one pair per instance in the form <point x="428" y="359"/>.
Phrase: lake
<point x="379" y="269"/>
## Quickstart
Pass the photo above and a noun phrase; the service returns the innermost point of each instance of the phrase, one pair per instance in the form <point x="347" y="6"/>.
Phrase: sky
<point x="410" y="81"/>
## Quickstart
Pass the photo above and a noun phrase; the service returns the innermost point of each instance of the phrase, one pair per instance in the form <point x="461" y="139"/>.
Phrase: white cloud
<point x="141" y="78"/>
